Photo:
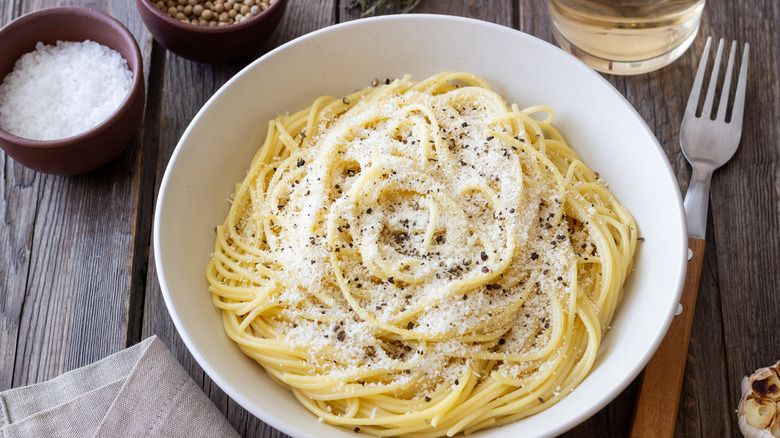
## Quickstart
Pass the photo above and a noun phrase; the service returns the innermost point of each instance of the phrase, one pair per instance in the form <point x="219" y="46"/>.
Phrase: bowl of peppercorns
<point x="211" y="30"/>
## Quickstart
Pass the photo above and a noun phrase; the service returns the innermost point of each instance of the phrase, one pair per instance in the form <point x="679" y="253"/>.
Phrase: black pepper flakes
<point x="300" y="162"/>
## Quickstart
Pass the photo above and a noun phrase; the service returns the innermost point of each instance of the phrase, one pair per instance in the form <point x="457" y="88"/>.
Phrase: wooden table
<point x="77" y="278"/>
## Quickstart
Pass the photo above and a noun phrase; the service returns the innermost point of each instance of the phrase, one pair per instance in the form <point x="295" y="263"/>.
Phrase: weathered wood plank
<point x="19" y="193"/>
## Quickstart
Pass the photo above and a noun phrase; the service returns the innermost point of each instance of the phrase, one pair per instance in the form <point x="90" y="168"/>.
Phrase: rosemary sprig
<point x="382" y="7"/>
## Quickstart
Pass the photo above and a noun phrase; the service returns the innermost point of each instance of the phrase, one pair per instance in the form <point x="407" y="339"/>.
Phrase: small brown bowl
<point x="211" y="44"/>
<point x="91" y="149"/>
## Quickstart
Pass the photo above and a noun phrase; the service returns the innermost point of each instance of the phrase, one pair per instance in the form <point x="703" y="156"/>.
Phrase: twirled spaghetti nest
<point x="420" y="258"/>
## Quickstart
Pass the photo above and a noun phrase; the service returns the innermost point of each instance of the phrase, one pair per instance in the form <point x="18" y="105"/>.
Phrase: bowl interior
<point x="596" y="120"/>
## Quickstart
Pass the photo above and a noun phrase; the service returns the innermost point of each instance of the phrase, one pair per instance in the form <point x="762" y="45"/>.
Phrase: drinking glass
<point x="625" y="37"/>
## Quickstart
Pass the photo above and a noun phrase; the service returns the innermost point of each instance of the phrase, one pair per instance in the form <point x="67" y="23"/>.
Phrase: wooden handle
<point x="655" y="412"/>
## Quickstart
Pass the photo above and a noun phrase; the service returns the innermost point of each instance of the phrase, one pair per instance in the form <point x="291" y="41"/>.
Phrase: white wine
<point x="623" y="36"/>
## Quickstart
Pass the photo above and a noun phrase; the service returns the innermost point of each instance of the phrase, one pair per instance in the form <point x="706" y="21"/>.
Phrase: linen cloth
<point x="141" y="391"/>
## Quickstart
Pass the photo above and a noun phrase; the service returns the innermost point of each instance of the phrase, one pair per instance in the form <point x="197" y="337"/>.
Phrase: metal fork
<point x="708" y="141"/>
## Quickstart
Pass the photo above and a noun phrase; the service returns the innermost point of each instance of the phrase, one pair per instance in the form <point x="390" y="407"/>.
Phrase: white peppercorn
<point x="210" y="13"/>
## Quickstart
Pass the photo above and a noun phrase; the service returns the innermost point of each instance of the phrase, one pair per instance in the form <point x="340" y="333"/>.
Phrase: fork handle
<point x="655" y="411"/>
<point x="697" y="199"/>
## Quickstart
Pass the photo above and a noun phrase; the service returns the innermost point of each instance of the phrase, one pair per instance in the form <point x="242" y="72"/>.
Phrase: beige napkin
<point x="142" y="391"/>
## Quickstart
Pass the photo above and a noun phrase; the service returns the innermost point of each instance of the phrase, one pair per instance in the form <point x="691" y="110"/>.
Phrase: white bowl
<point x="598" y="122"/>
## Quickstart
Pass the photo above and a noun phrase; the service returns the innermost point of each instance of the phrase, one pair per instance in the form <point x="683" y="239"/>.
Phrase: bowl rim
<point x="236" y="394"/>
<point x="136" y="68"/>
<point x="207" y="30"/>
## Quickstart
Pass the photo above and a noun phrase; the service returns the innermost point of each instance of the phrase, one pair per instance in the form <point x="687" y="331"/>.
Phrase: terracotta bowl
<point x="99" y="145"/>
<point x="211" y="44"/>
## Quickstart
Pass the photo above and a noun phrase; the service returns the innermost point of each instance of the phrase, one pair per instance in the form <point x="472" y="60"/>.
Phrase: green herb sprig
<point x="382" y="7"/>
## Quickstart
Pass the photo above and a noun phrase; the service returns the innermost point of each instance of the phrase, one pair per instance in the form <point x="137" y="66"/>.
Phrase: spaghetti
<point x="421" y="259"/>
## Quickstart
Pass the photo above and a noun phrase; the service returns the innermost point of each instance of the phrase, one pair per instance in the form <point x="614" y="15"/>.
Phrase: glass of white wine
<point x="625" y="37"/>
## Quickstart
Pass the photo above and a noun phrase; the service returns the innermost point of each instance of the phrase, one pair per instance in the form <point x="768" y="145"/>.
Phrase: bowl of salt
<point x="72" y="92"/>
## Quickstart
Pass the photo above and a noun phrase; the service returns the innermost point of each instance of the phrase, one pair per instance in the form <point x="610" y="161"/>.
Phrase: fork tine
<point x="739" y="97"/>
<point x="707" y="108"/>
<point x="693" y="98"/>
<point x="724" y="94"/>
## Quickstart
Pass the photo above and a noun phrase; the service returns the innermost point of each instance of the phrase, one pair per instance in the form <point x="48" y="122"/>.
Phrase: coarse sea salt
<point x="58" y="91"/>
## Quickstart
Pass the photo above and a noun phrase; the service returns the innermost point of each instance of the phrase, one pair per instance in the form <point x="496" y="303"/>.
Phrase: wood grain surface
<point x="77" y="277"/>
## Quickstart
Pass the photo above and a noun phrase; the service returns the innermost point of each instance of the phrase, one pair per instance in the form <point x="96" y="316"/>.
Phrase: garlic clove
<point x="760" y="413"/>
<point x="766" y="383"/>
<point x="759" y="407"/>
